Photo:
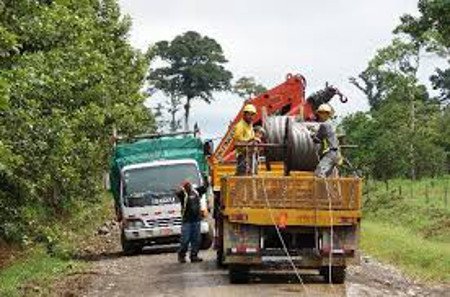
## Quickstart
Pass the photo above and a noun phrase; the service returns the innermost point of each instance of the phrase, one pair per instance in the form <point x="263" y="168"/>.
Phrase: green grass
<point x="61" y="238"/>
<point x="420" y="206"/>
<point x="408" y="224"/>
<point x="37" y="267"/>
<point x="417" y="257"/>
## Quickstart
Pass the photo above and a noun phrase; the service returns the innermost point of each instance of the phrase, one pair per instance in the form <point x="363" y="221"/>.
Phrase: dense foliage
<point x="431" y="29"/>
<point x="193" y="67"/>
<point x="406" y="132"/>
<point x="67" y="76"/>
<point x="247" y="87"/>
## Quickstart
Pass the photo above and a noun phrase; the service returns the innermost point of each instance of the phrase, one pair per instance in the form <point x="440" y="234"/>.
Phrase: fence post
<point x="400" y="190"/>
<point x="427" y="198"/>
<point x="446" y="195"/>
<point x="411" y="189"/>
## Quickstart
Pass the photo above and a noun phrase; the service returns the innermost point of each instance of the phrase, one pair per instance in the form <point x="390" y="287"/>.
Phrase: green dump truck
<point x="145" y="172"/>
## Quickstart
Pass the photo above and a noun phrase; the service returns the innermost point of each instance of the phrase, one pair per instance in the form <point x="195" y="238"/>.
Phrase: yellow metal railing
<point x="220" y="170"/>
<point x="298" y="191"/>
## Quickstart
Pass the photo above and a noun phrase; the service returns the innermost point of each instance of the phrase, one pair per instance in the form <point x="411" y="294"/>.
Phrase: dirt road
<point x="156" y="273"/>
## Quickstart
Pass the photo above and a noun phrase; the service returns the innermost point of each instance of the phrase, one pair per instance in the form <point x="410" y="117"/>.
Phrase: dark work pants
<point x="190" y="234"/>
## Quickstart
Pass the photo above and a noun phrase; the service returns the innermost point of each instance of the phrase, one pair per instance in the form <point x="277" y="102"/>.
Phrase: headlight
<point x="134" y="224"/>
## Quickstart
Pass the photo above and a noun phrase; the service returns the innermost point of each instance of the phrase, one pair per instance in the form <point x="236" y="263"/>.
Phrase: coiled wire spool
<point x="275" y="133"/>
<point x="301" y="152"/>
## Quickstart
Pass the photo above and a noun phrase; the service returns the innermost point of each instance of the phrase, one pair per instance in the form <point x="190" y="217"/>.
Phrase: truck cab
<point x="145" y="173"/>
<point x="150" y="210"/>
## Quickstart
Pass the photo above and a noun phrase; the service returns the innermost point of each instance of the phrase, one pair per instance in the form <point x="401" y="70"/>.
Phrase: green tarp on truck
<point x="154" y="149"/>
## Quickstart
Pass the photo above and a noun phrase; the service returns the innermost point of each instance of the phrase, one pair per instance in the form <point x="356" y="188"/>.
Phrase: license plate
<point x="280" y="258"/>
<point x="166" y="231"/>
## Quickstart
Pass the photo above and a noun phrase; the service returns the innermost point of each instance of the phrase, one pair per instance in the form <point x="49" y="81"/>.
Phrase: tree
<point x="171" y="107"/>
<point x="402" y="123"/>
<point x="174" y="104"/>
<point x="68" y="76"/>
<point x="432" y="29"/>
<point x="194" y="69"/>
<point x="384" y="138"/>
<point x="246" y="87"/>
<point x="391" y="74"/>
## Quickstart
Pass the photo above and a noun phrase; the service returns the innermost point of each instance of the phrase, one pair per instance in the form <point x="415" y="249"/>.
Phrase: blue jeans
<point x="190" y="233"/>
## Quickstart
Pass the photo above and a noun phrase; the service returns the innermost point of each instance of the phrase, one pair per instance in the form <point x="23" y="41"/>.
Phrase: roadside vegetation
<point x="404" y="146"/>
<point x="68" y="76"/>
<point x="407" y="224"/>
<point x="59" y="252"/>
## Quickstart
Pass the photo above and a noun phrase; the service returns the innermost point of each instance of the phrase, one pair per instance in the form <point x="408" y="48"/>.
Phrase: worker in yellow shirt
<point x="244" y="134"/>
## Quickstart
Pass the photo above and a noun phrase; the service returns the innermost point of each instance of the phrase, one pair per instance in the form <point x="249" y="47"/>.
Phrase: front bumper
<point x="158" y="232"/>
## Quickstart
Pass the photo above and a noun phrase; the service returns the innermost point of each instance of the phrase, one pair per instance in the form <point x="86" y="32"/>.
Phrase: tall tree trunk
<point x="173" y="123"/>
<point x="187" y="108"/>
<point x="412" y="148"/>
<point x="173" y="112"/>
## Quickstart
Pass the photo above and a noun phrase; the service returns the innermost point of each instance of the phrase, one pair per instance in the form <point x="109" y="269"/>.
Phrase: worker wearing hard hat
<point x="244" y="134"/>
<point x="329" y="145"/>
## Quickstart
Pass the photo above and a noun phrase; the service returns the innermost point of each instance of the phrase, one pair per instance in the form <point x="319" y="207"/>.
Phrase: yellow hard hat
<point x="325" y="108"/>
<point x="250" y="108"/>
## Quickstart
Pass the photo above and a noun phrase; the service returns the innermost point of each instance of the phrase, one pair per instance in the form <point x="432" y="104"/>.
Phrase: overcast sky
<point x="325" y="40"/>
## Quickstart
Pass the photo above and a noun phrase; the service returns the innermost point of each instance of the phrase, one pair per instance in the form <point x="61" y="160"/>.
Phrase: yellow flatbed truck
<point x="285" y="222"/>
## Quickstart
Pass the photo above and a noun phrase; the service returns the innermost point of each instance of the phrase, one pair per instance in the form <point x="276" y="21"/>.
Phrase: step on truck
<point x="145" y="173"/>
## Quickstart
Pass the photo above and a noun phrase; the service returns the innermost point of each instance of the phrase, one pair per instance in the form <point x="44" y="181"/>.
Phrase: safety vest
<point x="326" y="148"/>
<point x="185" y="200"/>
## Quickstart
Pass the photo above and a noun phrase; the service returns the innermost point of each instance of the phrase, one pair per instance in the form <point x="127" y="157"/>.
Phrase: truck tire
<point x="129" y="248"/>
<point x="337" y="274"/>
<point x="239" y="274"/>
<point x="207" y="241"/>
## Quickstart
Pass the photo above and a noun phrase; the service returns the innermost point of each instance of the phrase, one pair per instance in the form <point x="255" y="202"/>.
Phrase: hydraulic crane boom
<point x="287" y="98"/>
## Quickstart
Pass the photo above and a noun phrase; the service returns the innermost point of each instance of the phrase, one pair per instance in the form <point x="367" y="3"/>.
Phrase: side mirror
<point x="208" y="148"/>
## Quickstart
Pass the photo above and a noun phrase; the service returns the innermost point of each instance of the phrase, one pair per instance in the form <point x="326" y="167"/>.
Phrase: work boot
<point x="195" y="259"/>
<point x="181" y="258"/>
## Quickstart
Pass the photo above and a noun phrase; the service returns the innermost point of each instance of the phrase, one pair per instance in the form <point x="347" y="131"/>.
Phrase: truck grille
<point x="165" y="222"/>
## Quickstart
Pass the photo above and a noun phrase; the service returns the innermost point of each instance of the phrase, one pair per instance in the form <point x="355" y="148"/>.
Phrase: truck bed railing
<point x="291" y="192"/>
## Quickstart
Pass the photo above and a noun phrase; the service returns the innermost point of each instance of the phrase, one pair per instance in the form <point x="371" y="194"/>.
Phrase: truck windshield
<point x="156" y="185"/>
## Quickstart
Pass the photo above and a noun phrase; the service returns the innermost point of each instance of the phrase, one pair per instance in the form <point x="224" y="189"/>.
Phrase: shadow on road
<point x="159" y="250"/>
<point x="93" y="257"/>
<point x="285" y="278"/>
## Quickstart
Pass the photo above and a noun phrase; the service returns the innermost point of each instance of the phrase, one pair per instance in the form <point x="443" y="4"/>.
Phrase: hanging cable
<point x="286" y="251"/>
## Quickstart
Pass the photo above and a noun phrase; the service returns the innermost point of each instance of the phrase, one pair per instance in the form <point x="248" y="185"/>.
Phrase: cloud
<point x="325" y="40"/>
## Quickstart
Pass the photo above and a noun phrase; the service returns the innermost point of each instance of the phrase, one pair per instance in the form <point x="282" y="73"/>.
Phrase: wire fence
<point x="430" y="191"/>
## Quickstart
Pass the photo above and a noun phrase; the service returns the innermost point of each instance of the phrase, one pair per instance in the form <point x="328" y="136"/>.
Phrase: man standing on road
<point x="329" y="145"/>
<point x="192" y="211"/>
<point x="244" y="134"/>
